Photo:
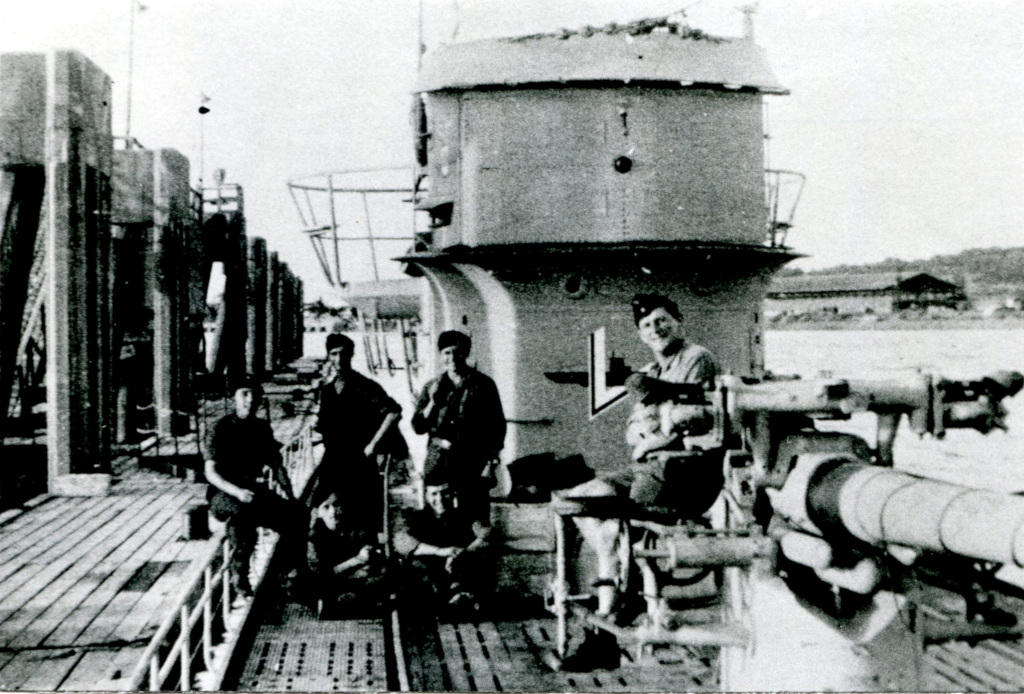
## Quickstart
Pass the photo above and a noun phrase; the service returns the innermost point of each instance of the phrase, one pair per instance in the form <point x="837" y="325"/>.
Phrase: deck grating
<point x="307" y="654"/>
<point x="506" y="656"/>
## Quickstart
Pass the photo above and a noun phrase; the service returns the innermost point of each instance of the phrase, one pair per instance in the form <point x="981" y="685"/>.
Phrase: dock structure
<point x="105" y="262"/>
<point x="90" y="583"/>
<point x="156" y="238"/>
<point x="106" y="257"/>
<point x="87" y="582"/>
<point x="272" y="308"/>
<point x="256" y="315"/>
<point x="57" y="165"/>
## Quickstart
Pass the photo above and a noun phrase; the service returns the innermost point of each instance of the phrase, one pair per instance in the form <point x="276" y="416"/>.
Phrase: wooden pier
<point x="88" y="580"/>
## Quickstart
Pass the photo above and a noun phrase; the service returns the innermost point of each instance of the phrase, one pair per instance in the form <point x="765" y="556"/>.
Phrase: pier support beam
<point x="79" y="163"/>
<point x="170" y="240"/>
<point x="22" y="181"/>
<point x="132" y="221"/>
<point x="225" y="240"/>
<point x="300" y="323"/>
<point x="288" y="317"/>
<point x="271" y="354"/>
<point x="256" y="302"/>
<point x="156" y="238"/>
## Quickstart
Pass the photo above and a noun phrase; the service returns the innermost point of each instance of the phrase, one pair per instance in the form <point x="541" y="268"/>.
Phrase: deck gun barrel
<point x="843" y="499"/>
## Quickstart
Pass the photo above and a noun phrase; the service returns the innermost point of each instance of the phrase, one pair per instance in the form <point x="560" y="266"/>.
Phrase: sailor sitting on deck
<point x="657" y="487"/>
<point x="239" y="453"/>
<point x="345" y="560"/>
<point x="444" y="550"/>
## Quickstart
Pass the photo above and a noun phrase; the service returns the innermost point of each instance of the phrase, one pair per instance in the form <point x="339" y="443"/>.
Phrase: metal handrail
<point x="154" y="667"/>
<point x="149" y="667"/>
<point x="779" y="221"/>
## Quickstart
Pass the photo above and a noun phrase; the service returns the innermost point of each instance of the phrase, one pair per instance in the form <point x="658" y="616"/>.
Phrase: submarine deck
<point x="300" y="653"/>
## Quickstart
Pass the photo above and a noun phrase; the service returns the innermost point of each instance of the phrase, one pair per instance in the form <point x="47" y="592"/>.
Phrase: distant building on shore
<point x="863" y="293"/>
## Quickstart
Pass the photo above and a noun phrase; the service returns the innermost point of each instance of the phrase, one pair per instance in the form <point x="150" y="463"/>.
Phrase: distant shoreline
<point x="922" y="323"/>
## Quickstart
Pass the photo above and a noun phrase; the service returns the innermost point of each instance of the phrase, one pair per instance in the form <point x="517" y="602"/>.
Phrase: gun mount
<point x="819" y="524"/>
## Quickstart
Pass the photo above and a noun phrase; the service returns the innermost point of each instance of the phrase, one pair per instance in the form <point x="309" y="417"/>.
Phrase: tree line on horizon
<point x="976" y="268"/>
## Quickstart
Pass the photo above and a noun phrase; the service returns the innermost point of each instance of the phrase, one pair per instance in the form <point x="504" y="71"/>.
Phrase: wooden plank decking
<point x="84" y="582"/>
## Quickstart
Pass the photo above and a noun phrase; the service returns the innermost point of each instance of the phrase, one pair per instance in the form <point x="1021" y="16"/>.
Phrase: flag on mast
<point x="203" y="100"/>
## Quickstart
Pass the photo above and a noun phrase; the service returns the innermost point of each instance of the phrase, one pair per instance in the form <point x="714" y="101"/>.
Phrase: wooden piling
<point x="79" y="156"/>
<point x="272" y="329"/>
<point x="22" y="180"/>
<point x="156" y="230"/>
<point x="131" y="222"/>
<point x="300" y="323"/>
<point x="172" y="225"/>
<point x="256" y="300"/>
<point x="286" y="316"/>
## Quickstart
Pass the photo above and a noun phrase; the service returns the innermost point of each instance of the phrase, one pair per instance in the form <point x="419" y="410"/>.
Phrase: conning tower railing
<point x="782" y="194"/>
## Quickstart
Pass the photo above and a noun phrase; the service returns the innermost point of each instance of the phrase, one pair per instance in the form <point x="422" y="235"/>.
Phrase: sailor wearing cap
<point x="357" y="421"/>
<point x="655" y="488"/>
<point x="462" y="413"/>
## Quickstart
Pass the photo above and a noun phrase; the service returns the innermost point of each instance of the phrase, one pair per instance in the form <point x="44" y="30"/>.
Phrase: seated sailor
<point x="668" y="481"/>
<point x="345" y="561"/>
<point x="445" y="551"/>
<point x="241" y="458"/>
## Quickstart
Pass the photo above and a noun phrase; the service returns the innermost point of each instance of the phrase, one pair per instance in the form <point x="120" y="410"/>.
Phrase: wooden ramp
<point x="86" y="582"/>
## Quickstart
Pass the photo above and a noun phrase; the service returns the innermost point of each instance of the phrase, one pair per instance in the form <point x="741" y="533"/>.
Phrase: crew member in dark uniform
<point x="461" y="411"/>
<point x="345" y="561"/>
<point x="241" y="457"/>
<point x="445" y="552"/>
<point x="356" y="421"/>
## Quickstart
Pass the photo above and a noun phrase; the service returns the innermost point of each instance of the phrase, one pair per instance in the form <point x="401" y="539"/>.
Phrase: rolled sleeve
<point x="705" y="371"/>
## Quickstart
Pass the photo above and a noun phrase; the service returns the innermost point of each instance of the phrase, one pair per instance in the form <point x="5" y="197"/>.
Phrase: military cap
<point x="645" y="304"/>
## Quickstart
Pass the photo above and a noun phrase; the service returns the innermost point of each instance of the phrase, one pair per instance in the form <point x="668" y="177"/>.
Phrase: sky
<point x="906" y="116"/>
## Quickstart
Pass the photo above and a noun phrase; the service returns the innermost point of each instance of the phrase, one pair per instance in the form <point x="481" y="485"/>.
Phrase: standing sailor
<point x="356" y="420"/>
<point x="461" y="411"/>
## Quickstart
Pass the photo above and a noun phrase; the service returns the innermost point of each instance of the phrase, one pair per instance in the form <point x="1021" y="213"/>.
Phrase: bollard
<point x="196" y="524"/>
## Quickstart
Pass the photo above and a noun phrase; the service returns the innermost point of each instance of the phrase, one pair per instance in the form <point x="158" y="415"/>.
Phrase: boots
<point x="599" y="651"/>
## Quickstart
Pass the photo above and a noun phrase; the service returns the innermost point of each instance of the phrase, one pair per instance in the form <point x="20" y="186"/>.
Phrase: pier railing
<point x="200" y="630"/>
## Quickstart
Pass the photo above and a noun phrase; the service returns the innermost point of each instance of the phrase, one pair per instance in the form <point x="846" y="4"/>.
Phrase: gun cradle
<point x="818" y="546"/>
<point x="853" y="533"/>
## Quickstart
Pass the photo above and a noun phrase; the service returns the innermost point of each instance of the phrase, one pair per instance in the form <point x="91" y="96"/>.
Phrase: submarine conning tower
<point x="563" y="174"/>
